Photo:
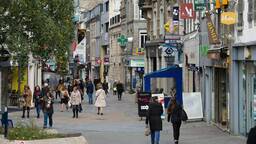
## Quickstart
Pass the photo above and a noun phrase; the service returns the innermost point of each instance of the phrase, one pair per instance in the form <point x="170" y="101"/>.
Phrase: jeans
<point x="75" y="111"/>
<point x="155" y="137"/>
<point x="176" y="130"/>
<point x="90" y="98"/>
<point x="47" y="116"/>
<point x="38" y="109"/>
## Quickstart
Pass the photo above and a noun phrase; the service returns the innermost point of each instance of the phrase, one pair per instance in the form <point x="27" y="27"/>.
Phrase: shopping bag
<point x="147" y="131"/>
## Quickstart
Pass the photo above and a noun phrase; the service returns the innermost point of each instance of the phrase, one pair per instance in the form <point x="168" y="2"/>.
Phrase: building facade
<point x="116" y="61"/>
<point x="243" y="69"/>
<point x="134" y="29"/>
<point x="104" y="53"/>
<point x="163" y="46"/>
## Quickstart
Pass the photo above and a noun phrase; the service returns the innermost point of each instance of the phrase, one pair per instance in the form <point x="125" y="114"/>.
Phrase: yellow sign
<point x="228" y="18"/>
<point x="167" y="26"/>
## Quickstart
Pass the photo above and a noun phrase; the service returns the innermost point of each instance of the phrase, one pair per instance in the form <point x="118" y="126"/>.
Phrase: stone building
<point x="133" y="27"/>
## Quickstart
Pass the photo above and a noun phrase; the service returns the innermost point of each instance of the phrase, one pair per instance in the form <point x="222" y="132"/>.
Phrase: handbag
<point x="184" y="116"/>
<point x="147" y="131"/>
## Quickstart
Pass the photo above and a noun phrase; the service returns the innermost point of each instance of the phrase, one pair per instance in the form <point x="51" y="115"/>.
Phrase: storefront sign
<point x="187" y="12"/>
<point x="199" y="5"/>
<point x="137" y="63"/>
<point x="228" y="18"/>
<point x="212" y="34"/>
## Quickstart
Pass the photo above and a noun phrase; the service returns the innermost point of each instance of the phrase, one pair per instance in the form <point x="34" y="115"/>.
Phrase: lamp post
<point x="4" y="71"/>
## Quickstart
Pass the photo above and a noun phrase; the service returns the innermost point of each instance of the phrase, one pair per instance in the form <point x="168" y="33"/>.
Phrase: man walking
<point x="120" y="90"/>
<point x="89" y="91"/>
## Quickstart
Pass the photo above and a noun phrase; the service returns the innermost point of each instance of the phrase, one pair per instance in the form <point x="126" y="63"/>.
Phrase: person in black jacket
<point x="48" y="109"/>
<point x="174" y="111"/>
<point x="120" y="90"/>
<point x="252" y="136"/>
<point x="154" y="120"/>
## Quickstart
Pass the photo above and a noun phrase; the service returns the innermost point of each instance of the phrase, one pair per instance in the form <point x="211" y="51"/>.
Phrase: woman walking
<point x="64" y="99"/>
<point x="48" y="109"/>
<point x="27" y="96"/>
<point x="38" y="98"/>
<point x="100" y="100"/>
<point x="75" y="101"/>
<point x="154" y="120"/>
<point x="174" y="111"/>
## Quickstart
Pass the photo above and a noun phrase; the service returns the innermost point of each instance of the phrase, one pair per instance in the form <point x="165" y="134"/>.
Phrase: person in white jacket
<point x="100" y="99"/>
<point x="75" y="100"/>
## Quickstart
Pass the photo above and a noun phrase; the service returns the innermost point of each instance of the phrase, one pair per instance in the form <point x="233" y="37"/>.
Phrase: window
<point x="250" y="12"/>
<point x="142" y="16"/>
<point x="107" y="6"/>
<point x="240" y="10"/>
<point x="118" y="18"/>
<point x="143" y="38"/>
<point x="106" y="27"/>
<point x="154" y="24"/>
<point x="161" y="21"/>
<point x="254" y="12"/>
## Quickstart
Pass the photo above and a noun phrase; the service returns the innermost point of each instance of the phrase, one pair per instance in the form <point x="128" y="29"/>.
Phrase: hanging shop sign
<point x="212" y="34"/>
<point x="228" y="18"/>
<point x="122" y="40"/>
<point x="199" y="5"/>
<point x="167" y="27"/>
<point x="175" y="13"/>
<point x="186" y="11"/>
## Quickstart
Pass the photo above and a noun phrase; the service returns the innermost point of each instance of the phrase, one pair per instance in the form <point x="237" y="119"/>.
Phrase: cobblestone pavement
<point x="120" y="124"/>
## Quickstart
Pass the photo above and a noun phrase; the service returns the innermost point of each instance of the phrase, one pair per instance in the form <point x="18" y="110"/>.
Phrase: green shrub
<point x="29" y="131"/>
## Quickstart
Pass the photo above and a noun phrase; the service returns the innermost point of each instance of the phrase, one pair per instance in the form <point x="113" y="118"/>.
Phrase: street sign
<point x="228" y="18"/>
<point x="199" y="5"/>
<point x="187" y="12"/>
<point x="122" y="40"/>
<point x="175" y="14"/>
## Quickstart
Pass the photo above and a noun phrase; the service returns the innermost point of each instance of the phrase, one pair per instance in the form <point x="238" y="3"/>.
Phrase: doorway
<point x="250" y="97"/>
<point x="220" y="91"/>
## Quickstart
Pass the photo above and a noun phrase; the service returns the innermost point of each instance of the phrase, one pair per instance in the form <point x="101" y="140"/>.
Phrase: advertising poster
<point x="143" y="101"/>
<point x="192" y="104"/>
<point x="161" y="101"/>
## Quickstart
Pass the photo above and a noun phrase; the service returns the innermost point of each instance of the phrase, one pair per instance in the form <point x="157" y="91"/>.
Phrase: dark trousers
<point x="24" y="109"/>
<point x="119" y="94"/>
<point x="176" y="130"/>
<point x="57" y="94"/>
<point x="75" y="111"/>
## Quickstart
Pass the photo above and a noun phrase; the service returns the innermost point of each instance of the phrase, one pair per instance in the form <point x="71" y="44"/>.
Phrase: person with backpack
<point x="174" y="112"/>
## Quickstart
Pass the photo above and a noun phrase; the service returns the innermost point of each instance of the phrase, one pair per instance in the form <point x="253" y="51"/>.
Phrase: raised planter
<point x="67" y="140"/>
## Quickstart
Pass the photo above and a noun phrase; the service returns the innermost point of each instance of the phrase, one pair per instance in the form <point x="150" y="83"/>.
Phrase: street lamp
<point x="4" y="71"/>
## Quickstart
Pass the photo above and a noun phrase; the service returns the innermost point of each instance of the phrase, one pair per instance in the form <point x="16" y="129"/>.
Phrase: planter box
<point x="68" y="140"/>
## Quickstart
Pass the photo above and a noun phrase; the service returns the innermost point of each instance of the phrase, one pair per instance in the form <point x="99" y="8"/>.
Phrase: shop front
<point x="243" y="88"/>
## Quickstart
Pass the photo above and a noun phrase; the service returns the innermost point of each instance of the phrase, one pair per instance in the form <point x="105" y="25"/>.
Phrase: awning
<point x="251" y="43"/>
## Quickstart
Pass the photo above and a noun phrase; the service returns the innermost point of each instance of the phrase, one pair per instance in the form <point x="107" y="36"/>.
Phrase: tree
<point x="42" y="28"/>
